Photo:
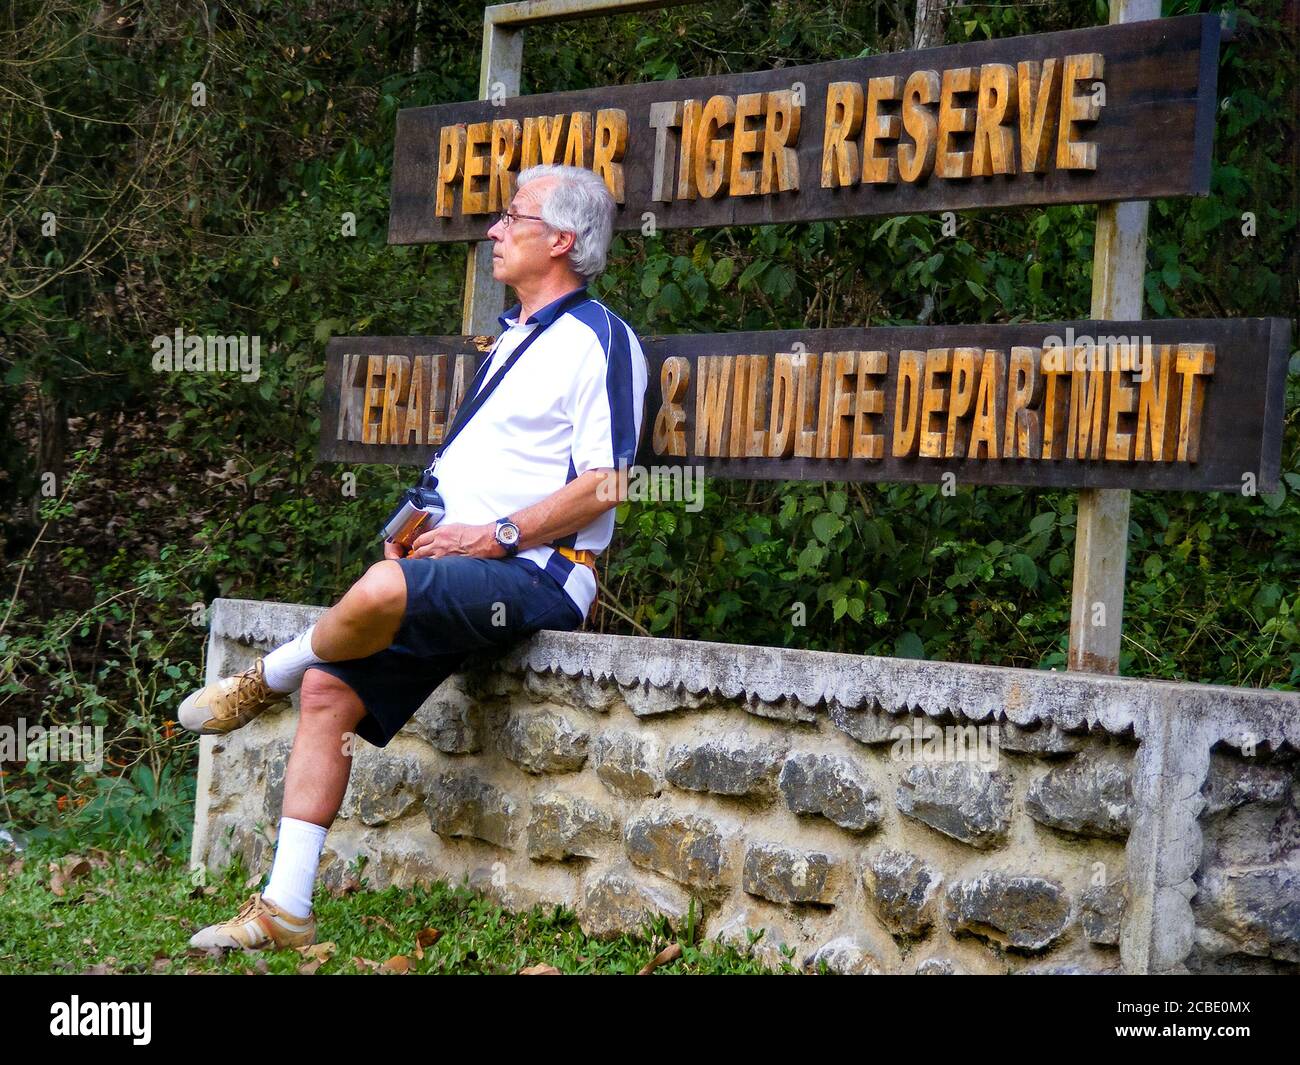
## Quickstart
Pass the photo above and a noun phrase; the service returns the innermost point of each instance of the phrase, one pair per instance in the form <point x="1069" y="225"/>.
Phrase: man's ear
<point x="563" y="242"/>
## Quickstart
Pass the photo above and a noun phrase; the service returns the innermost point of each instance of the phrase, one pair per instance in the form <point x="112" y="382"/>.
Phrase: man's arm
<point x="568" y="509"/>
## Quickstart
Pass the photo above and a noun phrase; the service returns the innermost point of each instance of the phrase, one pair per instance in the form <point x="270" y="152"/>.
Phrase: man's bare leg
<point x="366" y="619"/>
<point x="314" y="783"/>
<point x="280" y="916"/>
<point x="320" y="761"/>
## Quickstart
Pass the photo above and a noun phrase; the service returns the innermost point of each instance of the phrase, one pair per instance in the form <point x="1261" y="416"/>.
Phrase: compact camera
<point x="419" y="510"/>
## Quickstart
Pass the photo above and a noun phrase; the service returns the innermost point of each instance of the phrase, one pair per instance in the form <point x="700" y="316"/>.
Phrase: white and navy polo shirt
<point x="572" y="402"/>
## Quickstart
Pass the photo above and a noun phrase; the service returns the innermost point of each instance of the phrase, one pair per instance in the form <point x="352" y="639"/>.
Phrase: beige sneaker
<point x="259" y="925"/>
<point x="230" y="703"/>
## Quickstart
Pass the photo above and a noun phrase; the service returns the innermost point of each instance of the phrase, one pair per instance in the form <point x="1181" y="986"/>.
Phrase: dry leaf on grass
<point x="425" y="937"/>
<point x="63" y="873"/>
<point x="669" y="953"/>
<point x="540" y="970"/>
<point x="319" y="951"/>
<point x="317" y="954"/>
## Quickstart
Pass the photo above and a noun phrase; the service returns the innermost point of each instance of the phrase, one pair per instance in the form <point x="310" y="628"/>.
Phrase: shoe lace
<point x="251" y="684"/>
<point x="252" y="906"/>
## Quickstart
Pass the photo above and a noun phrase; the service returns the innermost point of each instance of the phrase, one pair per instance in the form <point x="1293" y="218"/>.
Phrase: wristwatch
<point x="507" y="535"/>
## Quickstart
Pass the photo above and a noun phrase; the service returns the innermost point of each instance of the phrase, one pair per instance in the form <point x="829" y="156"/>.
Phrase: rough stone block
<point x="938" y="967"/>
<point x="844" y="956"/>
<point x="1257" y="910"/>
<point x="565" y="826"/>
<point x="580" y="692"/>
<point x="724" y="767"/>
<point x="1047" y="739"/>
<point x="277" y="762"/>
<point x="1028" y="913"/>
<point x="903" y="890"/>
<point x="621" y="901"/>
<point x="628" y="764"/>
<point x="1089" y="796"/>
<point x="784" y="874"/>
<point x="834" y="788"/>
<point x="869" y="725"/>
<point x="1234" y="781"/>
<point x="450" y="719"/>
<point x="687" y="848"/>
<point x="648" y="700"/>
<point x="960" y="799"/>
<point x="542" y="741"/>
<point x="1100" y="911"/>
<point x="384" y="787"/>
<point x="464" y="805"/>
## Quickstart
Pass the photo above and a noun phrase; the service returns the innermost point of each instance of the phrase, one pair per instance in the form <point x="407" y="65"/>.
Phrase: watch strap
<point x="511" y="549"/>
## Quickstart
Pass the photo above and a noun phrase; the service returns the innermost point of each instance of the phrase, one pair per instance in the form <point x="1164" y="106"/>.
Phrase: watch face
<point x="507" y="534"/>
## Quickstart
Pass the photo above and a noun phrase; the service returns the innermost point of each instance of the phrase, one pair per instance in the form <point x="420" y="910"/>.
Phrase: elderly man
<point x="526" y="515"/>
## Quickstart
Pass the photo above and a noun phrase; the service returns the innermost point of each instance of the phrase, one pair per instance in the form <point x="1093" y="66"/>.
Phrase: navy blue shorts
<point x="455" y="606"/>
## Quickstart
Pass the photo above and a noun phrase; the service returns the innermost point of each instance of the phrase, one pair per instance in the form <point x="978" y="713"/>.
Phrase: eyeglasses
<point x="509" y="218"/>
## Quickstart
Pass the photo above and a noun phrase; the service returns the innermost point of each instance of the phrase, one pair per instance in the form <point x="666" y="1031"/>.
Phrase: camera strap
<point x="468" y="409"/>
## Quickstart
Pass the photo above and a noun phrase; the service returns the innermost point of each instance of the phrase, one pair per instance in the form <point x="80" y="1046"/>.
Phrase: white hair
<point x="579" y="203"/>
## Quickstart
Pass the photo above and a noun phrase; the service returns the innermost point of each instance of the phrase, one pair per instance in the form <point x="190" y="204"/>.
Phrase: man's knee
<point x="382" y="590"/>
<point x="324" y="694"/>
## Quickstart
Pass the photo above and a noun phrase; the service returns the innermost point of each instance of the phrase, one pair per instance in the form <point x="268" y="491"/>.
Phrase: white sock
<point x="286" y="664"/>
<point x="293" y="873"/>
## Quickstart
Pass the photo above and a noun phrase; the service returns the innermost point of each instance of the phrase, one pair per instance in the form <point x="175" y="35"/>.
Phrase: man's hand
<point x="392" y="550"/>
<point x="477" y="541"/>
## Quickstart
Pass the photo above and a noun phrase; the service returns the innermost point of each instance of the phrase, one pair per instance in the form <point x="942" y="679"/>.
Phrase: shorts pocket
<point x="559" y="614"/>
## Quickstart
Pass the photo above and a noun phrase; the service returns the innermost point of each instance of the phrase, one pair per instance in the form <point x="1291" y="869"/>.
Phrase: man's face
<point x="521" y="251"/>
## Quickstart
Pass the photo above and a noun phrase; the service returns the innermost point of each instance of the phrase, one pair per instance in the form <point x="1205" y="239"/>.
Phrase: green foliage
<point x="133" y="911"/>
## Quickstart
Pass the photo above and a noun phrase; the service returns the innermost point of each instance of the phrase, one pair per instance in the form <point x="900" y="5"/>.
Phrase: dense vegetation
<point x="131" y="497"/>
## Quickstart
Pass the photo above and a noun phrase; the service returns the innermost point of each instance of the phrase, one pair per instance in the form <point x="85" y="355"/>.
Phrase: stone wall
<point x="1092" y="825"/>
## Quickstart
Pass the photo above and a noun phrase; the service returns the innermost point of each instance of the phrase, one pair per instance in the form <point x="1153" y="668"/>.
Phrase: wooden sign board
<point x="1166" y="404"/>
<point x="1120" y="112"/>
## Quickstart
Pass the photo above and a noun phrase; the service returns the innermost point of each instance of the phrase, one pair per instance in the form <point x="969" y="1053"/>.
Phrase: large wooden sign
<point x="1117" y="112"/>
<point x="1169" y="404"/>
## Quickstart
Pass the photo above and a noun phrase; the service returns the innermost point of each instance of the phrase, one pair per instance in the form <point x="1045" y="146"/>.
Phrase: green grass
<point x="133" y="912"/>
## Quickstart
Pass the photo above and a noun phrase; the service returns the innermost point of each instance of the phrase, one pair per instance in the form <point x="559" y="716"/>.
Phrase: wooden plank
<point x="485" y="297"/>
<point x="1151" y="136"/>
<point x="804" y="398"/>
<point x="1102" y="515"/>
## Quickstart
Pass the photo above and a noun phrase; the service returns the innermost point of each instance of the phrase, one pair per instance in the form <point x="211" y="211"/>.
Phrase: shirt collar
<point x="544" y="316"/>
